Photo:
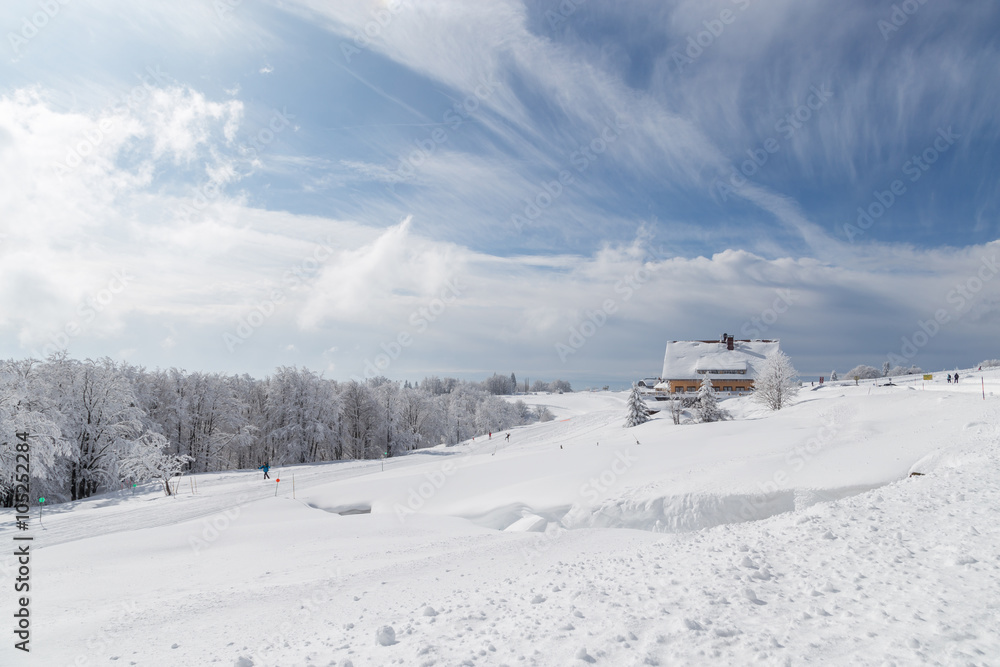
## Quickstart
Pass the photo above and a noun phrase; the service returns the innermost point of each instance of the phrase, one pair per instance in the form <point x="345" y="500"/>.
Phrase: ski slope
<point x="776" y="538"/>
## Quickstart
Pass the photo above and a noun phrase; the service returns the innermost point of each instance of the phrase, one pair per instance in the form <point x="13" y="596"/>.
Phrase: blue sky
<point x="554" y="189"/>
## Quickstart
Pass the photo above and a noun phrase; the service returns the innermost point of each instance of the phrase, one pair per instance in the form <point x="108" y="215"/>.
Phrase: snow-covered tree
<point x="102" y="423"/>
<point x="543" y="414"/>
<point x="460" y="414"/>
<point x="360" y="414"/>
<point x="302" y="417"/>
<point x="148" y="461"/>
<point x="493" y="414"/>
<point x="896" y="371"/>
<point x="676" y="409"/>
<point x="636" y="408"/>
<point x="560" y="386"/>
<point x="501" y="384"/>
<point x="777" y="381"/>
<point x="96" y="424"/>
<point x="397" y="432"/>
<point x="416" y="412"/>
<point x="555" y="387"/>
<point x="886" y="367"/>
<point x="833" y="376"/>
<point x="863" y="372"/>
<point x="523" y="412"/>
<point x="708" y="403"/>
<point x="26" y="407"/>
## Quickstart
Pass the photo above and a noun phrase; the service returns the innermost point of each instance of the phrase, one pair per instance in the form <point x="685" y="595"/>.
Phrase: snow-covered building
<point x="731" y="364"/>
<point x="647" y="386"/>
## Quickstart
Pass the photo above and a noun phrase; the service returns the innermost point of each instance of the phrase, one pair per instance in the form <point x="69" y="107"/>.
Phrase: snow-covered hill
<point x="523" y="552"/>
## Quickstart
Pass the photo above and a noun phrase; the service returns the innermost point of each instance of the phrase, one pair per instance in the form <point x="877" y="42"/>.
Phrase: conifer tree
<point x="708" y="403"/>
<point x="636" y="409"/>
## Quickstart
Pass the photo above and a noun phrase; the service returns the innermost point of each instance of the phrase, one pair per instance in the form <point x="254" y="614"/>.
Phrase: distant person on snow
<point x="508" y="437"/>
<point x="265" y="468"/>
<point x="956" y="378"/>
<point x="949" y="378"/>
<point x="491" y="435"/>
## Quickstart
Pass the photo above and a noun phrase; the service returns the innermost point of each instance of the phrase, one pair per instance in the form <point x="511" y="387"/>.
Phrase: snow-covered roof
<point x="722" y="362"/>
<point x="690" y="359"/>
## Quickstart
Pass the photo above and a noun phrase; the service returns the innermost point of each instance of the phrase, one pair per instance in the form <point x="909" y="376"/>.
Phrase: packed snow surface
<point x="794" y="537"/>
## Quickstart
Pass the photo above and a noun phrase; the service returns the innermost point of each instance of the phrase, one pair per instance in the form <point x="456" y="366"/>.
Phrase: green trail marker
<point x="41" y="501"/>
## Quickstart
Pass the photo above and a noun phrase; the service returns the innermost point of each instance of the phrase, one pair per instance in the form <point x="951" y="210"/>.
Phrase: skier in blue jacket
<point x="265" y="468"/>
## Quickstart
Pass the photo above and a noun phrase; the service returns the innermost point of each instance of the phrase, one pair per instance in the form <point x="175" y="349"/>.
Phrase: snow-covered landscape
<point x="800" y="536"/>
<point x="366" y="333"/>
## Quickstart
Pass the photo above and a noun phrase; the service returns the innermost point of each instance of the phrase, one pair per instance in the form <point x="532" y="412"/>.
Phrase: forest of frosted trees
<point x="101" y="425"/>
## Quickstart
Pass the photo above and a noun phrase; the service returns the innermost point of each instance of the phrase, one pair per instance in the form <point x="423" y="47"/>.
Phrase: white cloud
<point x="67" y="232"/>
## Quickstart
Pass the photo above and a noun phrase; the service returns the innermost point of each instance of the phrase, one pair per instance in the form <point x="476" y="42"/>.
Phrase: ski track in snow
<point x="906" y="573"/>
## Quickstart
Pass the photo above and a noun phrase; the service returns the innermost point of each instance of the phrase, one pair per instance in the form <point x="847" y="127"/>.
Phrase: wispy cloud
<point x="538" y="159"/>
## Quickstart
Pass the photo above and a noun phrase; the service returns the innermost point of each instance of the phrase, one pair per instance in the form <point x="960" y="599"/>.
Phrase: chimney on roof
<point x="730" y="340"/>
